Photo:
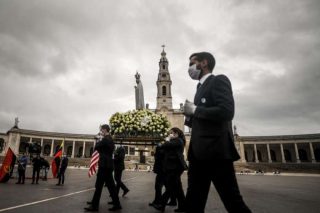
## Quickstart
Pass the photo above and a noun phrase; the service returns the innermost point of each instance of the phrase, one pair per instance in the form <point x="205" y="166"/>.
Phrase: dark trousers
<point x="22" y="175"/>
<point x="158" y="185"/>
<point x="119" y="183"/>
<point x="173" y="189"/>
<point x="221" y="173"/>
<point x="61" y="177"/>
<point x="104" y="176"/>
<point x="35" y="171"/>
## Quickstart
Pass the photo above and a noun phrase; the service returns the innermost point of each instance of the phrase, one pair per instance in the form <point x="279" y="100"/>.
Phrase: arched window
<point x="303" y="155"/>
<point x="164" y="90"/>
<point x="47" y="149"/>
<point x="163" y="66"/>
<point x="273" y="155"/>
<point x="287" y="155"/>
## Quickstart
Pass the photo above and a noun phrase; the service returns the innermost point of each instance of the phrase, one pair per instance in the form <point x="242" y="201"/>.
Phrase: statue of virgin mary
<point x="139" y="92"/>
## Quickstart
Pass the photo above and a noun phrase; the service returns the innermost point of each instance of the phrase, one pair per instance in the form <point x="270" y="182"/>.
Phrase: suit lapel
<point x="201" y="90"/>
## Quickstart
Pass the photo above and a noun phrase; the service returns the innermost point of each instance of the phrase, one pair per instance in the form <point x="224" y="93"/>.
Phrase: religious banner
<point x="7" y="166"/>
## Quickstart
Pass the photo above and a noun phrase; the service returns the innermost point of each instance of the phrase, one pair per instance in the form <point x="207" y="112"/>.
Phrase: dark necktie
<point x="198" y="86"/>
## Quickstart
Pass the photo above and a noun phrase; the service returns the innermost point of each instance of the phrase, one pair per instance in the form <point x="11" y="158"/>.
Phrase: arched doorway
<point x="287" y="155"/>
<point x="1" y="145"/>
<point x="303" y="155"/>
<point x="91" y="151"/>
<point x="246" y="156"/>
<point x="69" y="151"/>
<point x="317" y="154"/>
<point x="80" y="151"/>
<point x="273" y="155"/>
<point x="259" y="156"/>
<point x="46" y="149"/>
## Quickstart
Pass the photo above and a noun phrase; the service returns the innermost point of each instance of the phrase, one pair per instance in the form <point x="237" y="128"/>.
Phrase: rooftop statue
<point x="139" y="92"/>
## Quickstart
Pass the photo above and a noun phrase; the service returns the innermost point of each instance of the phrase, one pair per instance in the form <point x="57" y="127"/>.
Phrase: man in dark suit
<point x="119" y="166"/>
<point x="104" y="175"/>
<point x="211" y="150"/>
<point x="62" y="170"/>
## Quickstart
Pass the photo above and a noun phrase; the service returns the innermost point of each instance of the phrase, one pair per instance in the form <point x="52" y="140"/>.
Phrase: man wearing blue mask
<point x="212" y="151"/>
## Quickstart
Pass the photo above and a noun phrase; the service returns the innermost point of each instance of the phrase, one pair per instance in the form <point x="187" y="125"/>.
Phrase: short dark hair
<point x="105" y="126"/>
<point x="180" y="134"/>
<point x="205" y="56"/>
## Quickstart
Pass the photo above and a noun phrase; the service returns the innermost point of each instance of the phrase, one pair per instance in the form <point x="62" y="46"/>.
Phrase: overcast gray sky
<point x="67" y="66"/>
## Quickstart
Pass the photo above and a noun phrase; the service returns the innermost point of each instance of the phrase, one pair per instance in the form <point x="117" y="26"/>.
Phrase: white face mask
<point x="170" y="136"/>
<point x="194" y="72"/>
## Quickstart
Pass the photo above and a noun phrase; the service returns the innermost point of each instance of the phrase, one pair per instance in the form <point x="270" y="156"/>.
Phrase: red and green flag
<point x="56" y="161"/>
<point x="7" y="166"/>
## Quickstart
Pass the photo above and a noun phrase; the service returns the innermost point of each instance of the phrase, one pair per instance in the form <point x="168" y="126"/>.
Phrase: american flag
<point x="93" y="163"/>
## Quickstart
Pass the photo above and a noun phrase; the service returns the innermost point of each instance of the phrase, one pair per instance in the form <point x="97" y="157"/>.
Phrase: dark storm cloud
<point x="284" y="34"/>
<point x="69" y="65"/>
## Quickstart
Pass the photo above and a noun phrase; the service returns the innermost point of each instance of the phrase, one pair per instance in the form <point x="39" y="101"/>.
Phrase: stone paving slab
<point x="262" y="193"/>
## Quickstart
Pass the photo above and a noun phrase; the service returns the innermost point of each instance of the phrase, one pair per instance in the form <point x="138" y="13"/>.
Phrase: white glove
<point x="189" y="108"/>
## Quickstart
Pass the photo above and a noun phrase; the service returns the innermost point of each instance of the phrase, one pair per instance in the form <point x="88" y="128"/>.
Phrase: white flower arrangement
<point x="139" y="123"/>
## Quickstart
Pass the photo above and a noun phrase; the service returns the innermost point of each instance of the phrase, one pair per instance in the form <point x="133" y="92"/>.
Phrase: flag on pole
<point x="56" y="161"/>
<point x="7" y="166"/>
<point x="93" y="163"/>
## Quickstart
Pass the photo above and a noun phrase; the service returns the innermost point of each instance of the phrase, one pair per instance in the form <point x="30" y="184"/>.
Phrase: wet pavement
<point x="262" y="193"/>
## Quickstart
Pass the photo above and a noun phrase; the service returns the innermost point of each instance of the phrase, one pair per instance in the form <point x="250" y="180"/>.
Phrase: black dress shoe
<point x="180" y="210"/>
<point x="172" y="203"/>
<point x="110" y="202"/>
<point x="89" y="202"/>
<point x="125" y="192"/>
<point x="158" y="207"/>
<point x="151" y="204"/>
<point x="91" y="209"/>
<point x="115" y="208"/>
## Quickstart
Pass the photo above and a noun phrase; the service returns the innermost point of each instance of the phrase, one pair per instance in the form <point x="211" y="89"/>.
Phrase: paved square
<point x="262" y="193"/>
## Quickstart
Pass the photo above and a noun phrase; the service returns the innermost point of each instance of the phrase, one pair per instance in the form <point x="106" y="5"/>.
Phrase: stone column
<point x="297" y="153"/>
<point x="269" y="155"/>
<point x="312" y="153"/>
<point x="73" y="148"/>
<point x="41" y="144"/>
<point x="256" y="153"/>
<point x="282" y="153"/>
<point x="84" y="149"/>
<point x="52" y="146"/>
<point x="242" y="153"/>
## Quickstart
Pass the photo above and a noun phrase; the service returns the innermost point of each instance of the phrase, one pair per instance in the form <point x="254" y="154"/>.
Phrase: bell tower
<point x="164" y="97"/>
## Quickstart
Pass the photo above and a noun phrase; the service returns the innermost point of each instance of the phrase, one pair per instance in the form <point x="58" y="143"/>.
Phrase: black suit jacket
<point x="211" y="136"/>
<point x="173" y="156"/>
<point x="105" y="148"/>
<point x="119" y="156"/>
